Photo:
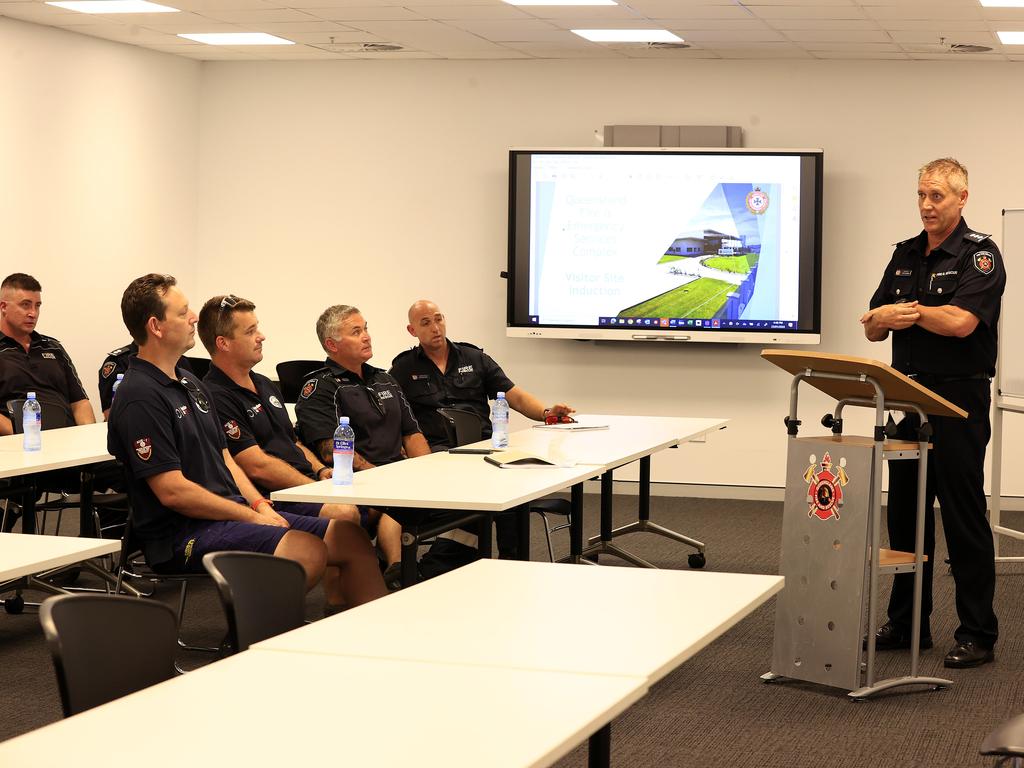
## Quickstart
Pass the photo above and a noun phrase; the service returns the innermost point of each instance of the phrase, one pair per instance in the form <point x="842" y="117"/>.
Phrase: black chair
<point x="467" y="427"/>
<point x="105" y="647"/>
<point x="263" y="595"/>
<point x="1006" y="742"/>
<point x="200" y="366"/>
<point x="292" y="374"/>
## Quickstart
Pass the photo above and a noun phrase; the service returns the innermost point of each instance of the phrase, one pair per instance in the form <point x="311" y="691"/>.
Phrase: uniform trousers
<point x="956" y="479"/>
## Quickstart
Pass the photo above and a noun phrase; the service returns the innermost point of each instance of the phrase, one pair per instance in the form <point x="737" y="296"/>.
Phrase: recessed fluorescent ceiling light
<point x="237" y="38"/>
<point x="1003" y="3"/>
<point x="113" y="6"/>
<point x="1011" y="38"/>
<point x="561" y="2"/>
<point x="627" y="35"/>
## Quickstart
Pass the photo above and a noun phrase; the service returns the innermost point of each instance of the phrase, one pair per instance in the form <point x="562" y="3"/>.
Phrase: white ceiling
<point x="491" y="29"/>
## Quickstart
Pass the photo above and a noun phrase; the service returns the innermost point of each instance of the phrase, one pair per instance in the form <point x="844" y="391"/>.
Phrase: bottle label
<point x="343" y="446"/>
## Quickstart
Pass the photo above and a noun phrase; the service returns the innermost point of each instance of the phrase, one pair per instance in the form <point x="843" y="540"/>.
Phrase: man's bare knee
<point x="308" y="551"/>
<point x="347" y="512"/>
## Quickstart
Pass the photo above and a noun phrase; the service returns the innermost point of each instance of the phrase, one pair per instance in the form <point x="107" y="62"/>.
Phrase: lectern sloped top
<point x="895" y="385"/>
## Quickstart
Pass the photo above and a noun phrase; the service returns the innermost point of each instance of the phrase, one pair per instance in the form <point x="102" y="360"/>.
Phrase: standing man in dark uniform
<point x="445" y="374"/>
<point x="189" y="497"/>
<point x="940" y="298"/>
<point x="386" y="430"/>
<point x="31" y="362"/>
<point x="116" y="362"/>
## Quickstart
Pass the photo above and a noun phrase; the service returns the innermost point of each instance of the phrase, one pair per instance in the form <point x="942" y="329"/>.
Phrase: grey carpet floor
<point x="713" y="710"/>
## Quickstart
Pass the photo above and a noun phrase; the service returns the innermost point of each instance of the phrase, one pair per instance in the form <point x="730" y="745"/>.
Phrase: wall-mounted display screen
<point x="665" y="244"/>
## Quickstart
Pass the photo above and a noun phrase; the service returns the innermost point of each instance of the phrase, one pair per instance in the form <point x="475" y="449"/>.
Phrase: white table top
<point x="464" y="481"/>
<point x="442" y="481"/>
<point x="24" y="554"/>
<point x="544" y="616"/>
<point x="282" y="709"/>
<point x="67" y="447"/>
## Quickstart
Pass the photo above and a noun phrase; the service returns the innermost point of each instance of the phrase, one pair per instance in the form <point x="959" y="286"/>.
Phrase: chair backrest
<point x="105" y="647"/>
<point x="463" y="426"/>
<point x="263" y="595"/>
<point x="55" y="413"/>
<point x="200" y="366"/>
<point x="292" y="374"/>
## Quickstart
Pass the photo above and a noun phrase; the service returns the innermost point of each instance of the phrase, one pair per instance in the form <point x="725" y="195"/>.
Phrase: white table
<point x="544" y="616"/>
<point x="466" y="482"/>
<point x="274" y="709"/>
<point x="27" y="554"/>
<point x="24" y="557"/>
<point x="62" y="449"/>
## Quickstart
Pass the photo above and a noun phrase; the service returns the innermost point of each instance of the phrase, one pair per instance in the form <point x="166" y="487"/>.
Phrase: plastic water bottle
<point x="117" y="383"/>
<point x="32" y="423"/>
<point x="344" y="447"/>
<point x="499" y="422"/>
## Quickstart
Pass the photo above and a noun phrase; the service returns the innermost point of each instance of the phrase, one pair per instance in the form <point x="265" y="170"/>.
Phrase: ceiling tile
<point x="530" y="30"/>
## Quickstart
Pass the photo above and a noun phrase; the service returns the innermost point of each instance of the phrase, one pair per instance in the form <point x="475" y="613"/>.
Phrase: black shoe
<point x="968" y="653"/>
<point x="890" y="637"/>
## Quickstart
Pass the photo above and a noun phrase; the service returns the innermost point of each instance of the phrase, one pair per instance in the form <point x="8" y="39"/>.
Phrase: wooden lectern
<point x="831" y="553"/>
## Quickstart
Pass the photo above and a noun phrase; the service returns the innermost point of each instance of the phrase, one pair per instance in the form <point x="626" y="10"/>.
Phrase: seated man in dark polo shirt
<point x="116" y="362"/>
<point x="386" y="430"/>
<point x="189" y="496"/>
<point x="258" y="429"/>
<point x="31" y="362"/>
<point x="445" y="374"/>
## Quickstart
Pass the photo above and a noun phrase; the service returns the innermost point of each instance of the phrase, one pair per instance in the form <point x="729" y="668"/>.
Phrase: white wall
<point x="98" y="169"/>
<point x="380" y="183"/>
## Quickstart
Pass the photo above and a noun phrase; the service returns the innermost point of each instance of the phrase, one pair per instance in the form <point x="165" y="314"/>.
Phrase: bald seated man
<point x="440" y="373"/>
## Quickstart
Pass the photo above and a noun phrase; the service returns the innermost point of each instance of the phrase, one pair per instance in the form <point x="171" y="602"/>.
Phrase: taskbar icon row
<point x="681" y="322"/>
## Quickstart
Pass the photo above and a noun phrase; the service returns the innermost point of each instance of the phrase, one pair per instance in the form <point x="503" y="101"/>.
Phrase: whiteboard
<point x="1010" y="375"/>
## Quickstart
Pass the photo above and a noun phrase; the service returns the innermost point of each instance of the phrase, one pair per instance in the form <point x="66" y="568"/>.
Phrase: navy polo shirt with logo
<point x="332" y="392"/>
<point x="470" y="378"/>
<point x="255" y="419"/>
<point x="965" y="271"/>
<point x="116" y="362"/>
<point x="158" y="424"/>
<point x="45" y="369"/>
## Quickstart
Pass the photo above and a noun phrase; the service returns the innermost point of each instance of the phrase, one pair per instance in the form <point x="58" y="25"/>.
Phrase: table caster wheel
<point x="14" y="604"/>
<point x="697" y="560"/>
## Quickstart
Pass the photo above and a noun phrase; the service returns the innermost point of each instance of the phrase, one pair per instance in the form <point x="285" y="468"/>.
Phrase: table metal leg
<point x="644" y="524"/>
<point x="86" y="524"/>
<point x="602" y="545"/>
<point x="522" y="513"/>
<point x="575" y="523"/>
<point x="28" y="506"/>
<point x="600" y="748"/>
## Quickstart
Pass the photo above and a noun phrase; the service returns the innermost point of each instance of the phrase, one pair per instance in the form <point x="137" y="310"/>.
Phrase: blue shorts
<point x="303" y="508"/>
<point x="197" y="537"/>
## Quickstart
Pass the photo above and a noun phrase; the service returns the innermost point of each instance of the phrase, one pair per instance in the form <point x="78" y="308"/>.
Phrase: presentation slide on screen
<point x="666" y="240"/>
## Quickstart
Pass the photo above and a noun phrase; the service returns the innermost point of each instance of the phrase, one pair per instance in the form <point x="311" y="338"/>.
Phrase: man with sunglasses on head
<point x="258" y="429"/>
<point x="386" y="430"/>
<point x="189" y="497"/>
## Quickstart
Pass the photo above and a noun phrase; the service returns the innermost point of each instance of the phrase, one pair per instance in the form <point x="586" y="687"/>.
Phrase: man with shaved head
<point x="440" y="373"/>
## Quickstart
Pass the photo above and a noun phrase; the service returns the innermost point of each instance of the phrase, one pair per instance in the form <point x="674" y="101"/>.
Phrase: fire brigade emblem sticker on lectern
<point x="825" y="487"/>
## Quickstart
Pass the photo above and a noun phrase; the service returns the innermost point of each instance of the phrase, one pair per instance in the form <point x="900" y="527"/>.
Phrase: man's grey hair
<point x="330" y="319"/>
<point x="948" y="168"/>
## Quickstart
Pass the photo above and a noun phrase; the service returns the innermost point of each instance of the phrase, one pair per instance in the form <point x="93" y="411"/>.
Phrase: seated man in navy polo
<point x="189" y="496"/>
<point x="386" y="430"/>
<point x="31" y="362"/>
<point x="258" y="429"/>
<point x="116" y="362"/>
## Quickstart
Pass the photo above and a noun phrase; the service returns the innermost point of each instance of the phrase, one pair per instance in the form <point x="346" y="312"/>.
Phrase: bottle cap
<point x="120" y="376"/>
<point x="501" y="395"/>
<point x="343" y="420"/>
<point x="30" y="395"/>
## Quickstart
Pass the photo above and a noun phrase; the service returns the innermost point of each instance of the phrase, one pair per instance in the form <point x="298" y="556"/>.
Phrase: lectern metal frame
<point x="834" y="375"/>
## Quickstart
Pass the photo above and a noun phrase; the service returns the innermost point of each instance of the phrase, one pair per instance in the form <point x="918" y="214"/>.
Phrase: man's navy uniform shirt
<point x="469" y="380"/>
<point x="117" y="362"/>
<point x="159" y="424"/>
<point x="965" y="271"/>
<point x="255" y="419"/>
<point x="45" y="369"/>
<point x="377" y="409"/>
